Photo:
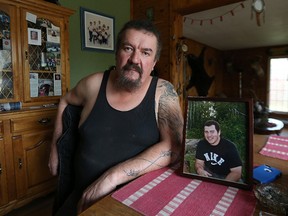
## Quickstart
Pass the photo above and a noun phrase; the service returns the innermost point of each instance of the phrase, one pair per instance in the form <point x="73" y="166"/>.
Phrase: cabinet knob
<point x="0" y="169"/>
<point x="44" y="121"/>
<point x="20" y="163"/>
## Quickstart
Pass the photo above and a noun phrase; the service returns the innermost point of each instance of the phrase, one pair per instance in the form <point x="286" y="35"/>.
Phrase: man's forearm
<point x="53" y="158"/>
<point x="58" y="122"/>
<point x="199" y="166"/>
<point x="154" y="158"/>
<point x="232" y="176"/>
<point x="235" y="174"/>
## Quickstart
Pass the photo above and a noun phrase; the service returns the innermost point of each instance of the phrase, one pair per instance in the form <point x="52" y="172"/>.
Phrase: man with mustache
<point x="131" y="123"/>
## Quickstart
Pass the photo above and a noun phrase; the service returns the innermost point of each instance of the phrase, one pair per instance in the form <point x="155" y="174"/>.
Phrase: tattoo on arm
<point x="136" y="173"/>
<point x="169" y="113"/>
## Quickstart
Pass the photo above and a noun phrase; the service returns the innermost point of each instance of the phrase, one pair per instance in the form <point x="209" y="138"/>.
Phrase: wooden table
<point x="111" y="207"/>
<point x="258" y="159"/>
<point x="272" y="126"/>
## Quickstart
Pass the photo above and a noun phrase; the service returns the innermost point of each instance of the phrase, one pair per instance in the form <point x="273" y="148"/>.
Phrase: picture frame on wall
<point x="218" y="141"/>
<point x="97" y="31"/>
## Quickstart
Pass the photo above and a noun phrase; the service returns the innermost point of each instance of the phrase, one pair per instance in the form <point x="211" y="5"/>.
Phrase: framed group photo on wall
<point x="97" y="31"/>
<point x="217" y="143"/>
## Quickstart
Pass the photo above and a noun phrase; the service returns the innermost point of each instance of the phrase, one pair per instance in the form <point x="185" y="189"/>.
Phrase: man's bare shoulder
<point x="166" y="98"/>
<point x="170" y="117"/>
<point x="165" y="89"/>
<point x="91" y="82"/>
<point x="94" y="77"/>
<point x="89" y="86"/>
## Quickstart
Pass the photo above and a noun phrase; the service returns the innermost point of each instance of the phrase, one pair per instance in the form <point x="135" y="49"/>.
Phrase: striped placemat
<point x="163" y="192"/>
<point x="276" y="147"/>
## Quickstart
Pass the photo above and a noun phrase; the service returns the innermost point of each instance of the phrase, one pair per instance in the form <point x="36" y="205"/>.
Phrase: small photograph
<point x="43" y="23"/>
<point x="57" y="84"/>
<point x="4" y="19"/>
<point x="6" y="34"/>
<point x="53" y="34"/>
<point x="33" y="84"/>
<point x="45" y="86"/>
<point x="51" y="60"/>
<point x="6" y="44"/>
<point x="34" y="36"/>
<point x="52" y="47"/>
<point x="57" y="76"/>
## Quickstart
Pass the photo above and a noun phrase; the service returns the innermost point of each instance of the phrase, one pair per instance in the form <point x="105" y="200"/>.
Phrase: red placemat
<point x="163" y="192"/>
<point x="276" y="147"/>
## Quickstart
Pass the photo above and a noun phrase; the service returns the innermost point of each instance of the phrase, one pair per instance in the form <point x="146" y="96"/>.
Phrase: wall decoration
<point x="97" y="31"/>
<point x="199" y="78"/>
<point x="211" y="20"/>
<point x="218" y="154"/>
<point x="258" y="6"/>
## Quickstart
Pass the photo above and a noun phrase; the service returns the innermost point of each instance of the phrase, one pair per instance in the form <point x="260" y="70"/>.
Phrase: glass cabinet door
<point x="43" y="54"/>
<point x="8" y="73"/>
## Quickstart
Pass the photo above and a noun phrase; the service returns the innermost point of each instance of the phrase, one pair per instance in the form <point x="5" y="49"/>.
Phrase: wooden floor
<point x="39" y="207"/>
<point x="43" y="205"/>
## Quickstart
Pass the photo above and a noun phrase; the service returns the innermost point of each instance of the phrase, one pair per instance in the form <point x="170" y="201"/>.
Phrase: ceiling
<point x="238" y="28"/>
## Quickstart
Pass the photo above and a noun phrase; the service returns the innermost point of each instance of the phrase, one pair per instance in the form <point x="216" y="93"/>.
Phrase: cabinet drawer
<point x="39" y="122"/>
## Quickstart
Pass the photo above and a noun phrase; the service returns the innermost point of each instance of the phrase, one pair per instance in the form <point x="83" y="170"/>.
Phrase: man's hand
<point x="53" y="161"/>
<point x="199" y="166"/>
<point x="98" y="189"/>
<point x="204" y="173"/>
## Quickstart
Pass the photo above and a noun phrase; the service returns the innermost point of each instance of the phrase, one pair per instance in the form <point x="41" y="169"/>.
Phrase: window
<point x="278" y="85"/>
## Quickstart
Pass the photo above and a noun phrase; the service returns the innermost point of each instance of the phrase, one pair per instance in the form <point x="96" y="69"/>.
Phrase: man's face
<point x="136" y="58"/>
<point x="211" y="135"/>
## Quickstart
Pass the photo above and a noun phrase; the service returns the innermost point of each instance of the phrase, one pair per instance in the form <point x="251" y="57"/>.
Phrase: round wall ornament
<point x="258" y="6"/>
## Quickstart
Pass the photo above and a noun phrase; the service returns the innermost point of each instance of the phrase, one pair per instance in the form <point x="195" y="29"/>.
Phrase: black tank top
<point x="109" y="136"/>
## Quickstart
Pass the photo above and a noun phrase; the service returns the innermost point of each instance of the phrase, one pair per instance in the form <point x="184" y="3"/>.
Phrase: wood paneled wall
<point x="161" y="18"/>
<point x="168" y="17"/>
<point x="254" y="84"/>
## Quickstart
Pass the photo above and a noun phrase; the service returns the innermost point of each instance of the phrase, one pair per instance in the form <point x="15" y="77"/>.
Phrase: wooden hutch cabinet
<point x="34" y="74"/>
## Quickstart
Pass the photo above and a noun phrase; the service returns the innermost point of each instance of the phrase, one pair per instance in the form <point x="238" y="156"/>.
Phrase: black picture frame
<point x="235" y="117"/>
<point x="97" y="31"/>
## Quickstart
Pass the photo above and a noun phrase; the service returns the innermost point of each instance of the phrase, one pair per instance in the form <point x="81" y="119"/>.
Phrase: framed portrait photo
<point x="97" y="31"/>
<point x="34" y="36"/>
<point x="218" y="141"/>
